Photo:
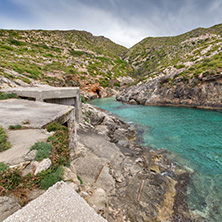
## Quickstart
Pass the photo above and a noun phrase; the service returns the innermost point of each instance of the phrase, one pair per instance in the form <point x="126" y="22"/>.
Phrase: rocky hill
<point x="60" y="58"/>
<point x="180" y="70"/>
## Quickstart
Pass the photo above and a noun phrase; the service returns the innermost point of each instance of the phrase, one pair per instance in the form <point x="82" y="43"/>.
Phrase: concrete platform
<point x="21" y="141"/>
<point x="59" y="203"/>
<point x="17" y="111"/>
<point x="58" y="95"/>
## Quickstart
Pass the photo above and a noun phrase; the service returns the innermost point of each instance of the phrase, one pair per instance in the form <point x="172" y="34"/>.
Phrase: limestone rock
<point x="7" y="207"/>
<point x="69" y="175"/>
<point x="43" y="165"/>
<point x="30" y="155"/>
<point x="98" y="200"/>
<point x="133" y="102"/>
<point x="123" y="143"/>
<point x="30" y="168"/>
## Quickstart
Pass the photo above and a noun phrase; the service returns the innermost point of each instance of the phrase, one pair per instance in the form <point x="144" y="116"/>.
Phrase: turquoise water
<point x="193" y="136"/>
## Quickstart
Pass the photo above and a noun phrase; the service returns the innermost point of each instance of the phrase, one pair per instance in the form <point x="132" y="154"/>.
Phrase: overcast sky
<point x="123" y="21"/>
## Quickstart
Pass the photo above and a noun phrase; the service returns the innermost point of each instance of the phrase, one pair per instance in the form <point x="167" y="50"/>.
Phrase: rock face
<point x="7" y="207"/>
<point x="207" y="93"/>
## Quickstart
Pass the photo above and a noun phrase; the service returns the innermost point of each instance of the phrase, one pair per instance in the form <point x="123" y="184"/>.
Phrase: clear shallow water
<point x="195" y="138"/>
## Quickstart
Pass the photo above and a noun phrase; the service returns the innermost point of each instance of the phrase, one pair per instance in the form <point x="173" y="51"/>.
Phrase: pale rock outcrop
<point x="43" y="165"/>
<point x="7" y="207"/>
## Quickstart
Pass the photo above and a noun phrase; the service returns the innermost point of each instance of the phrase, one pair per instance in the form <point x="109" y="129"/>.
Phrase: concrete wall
<point x="58" y="95"/>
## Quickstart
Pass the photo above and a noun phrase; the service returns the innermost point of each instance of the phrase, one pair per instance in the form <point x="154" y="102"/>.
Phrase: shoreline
<point x="175" y="105"/>
<point x="154" y="165"/>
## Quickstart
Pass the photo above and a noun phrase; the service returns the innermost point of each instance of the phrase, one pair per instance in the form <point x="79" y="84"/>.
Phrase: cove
<point x="194" y="139"/>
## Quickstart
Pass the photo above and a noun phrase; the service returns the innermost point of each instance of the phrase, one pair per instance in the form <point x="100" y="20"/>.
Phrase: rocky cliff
<point x="181" y="70"/>
<point x="206" y="94"/>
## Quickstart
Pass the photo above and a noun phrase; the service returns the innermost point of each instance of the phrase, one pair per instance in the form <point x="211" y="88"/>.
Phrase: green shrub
<point x="26" y="80"/>
<point x="80" y="180"/>
<point x="43" y="150"/>
<point x="83" y="99"/>
<point x="6" y="47"/>
<point x="4" y="144"/>
<point x="116" y="84"/>
<point x="4" y="96"/>
<point x="11" y="179"/>
<point x="51" y="178"/>
<point x="3" y="167"/>
<point x="16" y="42"/>
<point x="15" y="127"/>
<point x="52" y="127"/>
<point x="76" y="53"/>
<point x="59" y="143"/>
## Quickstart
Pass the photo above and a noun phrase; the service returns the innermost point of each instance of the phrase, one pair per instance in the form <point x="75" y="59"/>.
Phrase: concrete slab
<point x="21" y="141"/>
<point x="58" y="95"/>
<point x="17" y="111"/>
<point x="58" y="203"/>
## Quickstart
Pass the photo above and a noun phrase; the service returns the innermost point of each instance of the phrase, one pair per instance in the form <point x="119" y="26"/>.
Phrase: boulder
<point x="133" y="102"/>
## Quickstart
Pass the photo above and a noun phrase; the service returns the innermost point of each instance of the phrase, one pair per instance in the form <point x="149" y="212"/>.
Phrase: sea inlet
<point x="193" y="138"/>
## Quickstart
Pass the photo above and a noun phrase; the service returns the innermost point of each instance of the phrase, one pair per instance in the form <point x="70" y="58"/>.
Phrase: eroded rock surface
<point x="135" y="183"/>
<point x="156" y="91"/>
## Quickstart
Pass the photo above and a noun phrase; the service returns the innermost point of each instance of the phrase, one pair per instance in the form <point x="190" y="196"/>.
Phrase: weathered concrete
<point x="18" y="111"/>
<point x="58" y="95"/>
<point x="58" y="203"/>
<point x="39" y="114"/>
<point x="21" y="141"/>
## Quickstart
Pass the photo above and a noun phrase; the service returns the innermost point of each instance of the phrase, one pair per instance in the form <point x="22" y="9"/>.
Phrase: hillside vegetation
<point x="60" y="58"/>
<point x="182" y="70"/>
<point x="190" y="55"/>
<point x="77" y="58"/>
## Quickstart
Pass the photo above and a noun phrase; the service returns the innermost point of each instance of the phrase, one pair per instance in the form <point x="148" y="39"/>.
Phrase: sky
<point x="125" y="22"/>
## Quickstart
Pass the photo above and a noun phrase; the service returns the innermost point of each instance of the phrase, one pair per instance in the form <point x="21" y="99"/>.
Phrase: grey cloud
<point x="123" y="21"/>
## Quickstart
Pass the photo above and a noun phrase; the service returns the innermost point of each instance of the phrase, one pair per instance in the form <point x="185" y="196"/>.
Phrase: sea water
<point x="194" y="137"/>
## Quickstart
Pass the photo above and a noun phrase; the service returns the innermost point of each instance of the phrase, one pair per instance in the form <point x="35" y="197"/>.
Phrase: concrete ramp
<point x="58" y="203"/>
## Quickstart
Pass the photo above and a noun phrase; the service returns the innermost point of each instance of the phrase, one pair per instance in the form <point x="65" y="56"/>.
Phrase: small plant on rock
<point x="4" y="144"/>
<point x="43" y="150"/>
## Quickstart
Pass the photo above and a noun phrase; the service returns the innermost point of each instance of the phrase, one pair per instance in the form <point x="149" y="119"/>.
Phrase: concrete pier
<point x="58" y="95"/>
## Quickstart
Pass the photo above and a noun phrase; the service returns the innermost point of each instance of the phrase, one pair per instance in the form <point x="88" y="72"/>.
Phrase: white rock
<point x="43" y="165"/>
<point x="98" y="200"/>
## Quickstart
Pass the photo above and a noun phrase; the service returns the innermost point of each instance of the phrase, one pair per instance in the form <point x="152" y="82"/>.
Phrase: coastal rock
<point x="156" y="91"/>
<point x="98" y="200"/>
<point x="123" y="143"/>
<point x="133" y="102"/>
<point x="43" y="165"/>
<point x="7" y="207"/>
<point x="90" y="166"/>
<point x="69" y="175"/>
<point x="30" y="155"/>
